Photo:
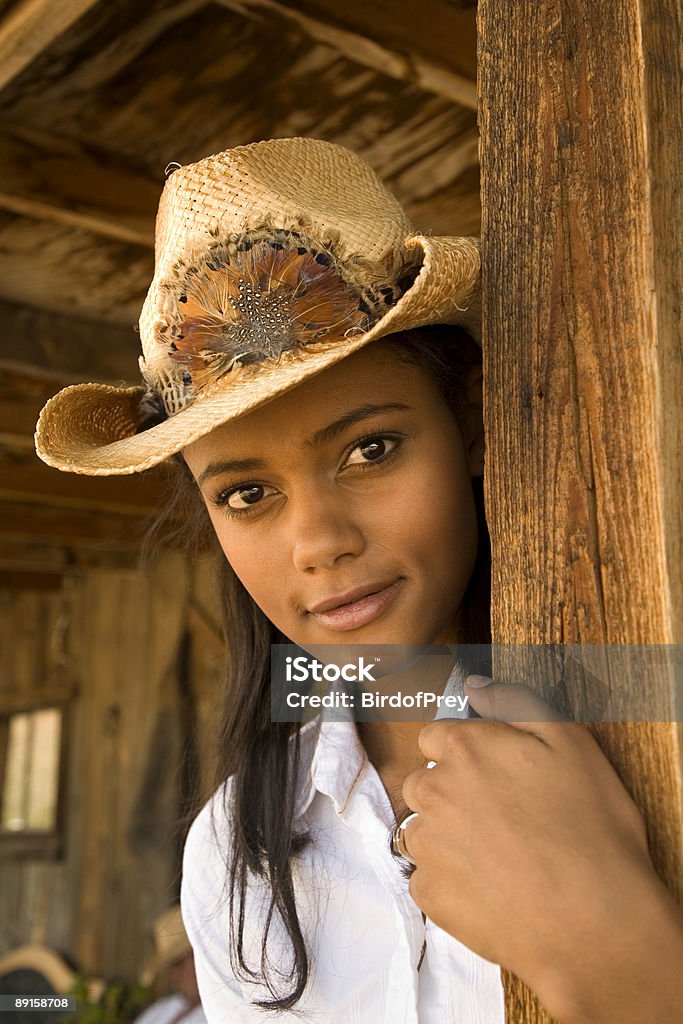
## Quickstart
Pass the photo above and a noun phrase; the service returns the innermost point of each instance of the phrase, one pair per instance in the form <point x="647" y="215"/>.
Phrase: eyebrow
<point x="327" y="434"/>
<point x="363" y="412"/>
<point x="230" y="466"/>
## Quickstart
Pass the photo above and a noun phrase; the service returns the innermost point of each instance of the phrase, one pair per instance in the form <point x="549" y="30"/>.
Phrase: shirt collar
<point x="331" y="759"/>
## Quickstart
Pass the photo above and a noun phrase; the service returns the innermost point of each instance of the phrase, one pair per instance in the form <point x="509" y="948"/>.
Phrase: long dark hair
<point x="260" y="757"/>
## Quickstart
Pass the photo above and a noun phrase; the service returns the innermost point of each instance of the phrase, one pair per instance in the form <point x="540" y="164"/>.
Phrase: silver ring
<point x="398" y="839"/>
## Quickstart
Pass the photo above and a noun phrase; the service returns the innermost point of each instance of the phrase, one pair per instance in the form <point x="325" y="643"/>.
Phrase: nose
<point x="324" y="530"/>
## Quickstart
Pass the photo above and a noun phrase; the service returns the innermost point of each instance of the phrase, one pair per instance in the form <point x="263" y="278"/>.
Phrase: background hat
<point x="273" y="261"/>
<point x="171" y="944"/>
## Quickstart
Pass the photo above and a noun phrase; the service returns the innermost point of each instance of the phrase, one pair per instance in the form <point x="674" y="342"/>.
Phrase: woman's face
<point x="345" y="507"/>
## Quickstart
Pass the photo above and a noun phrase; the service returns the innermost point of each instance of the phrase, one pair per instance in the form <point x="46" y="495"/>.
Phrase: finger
<point x="508" y="702"/>
<point x="508" y="711"/>
<point x="447" y="737"/>
<point x="417" y="792"/>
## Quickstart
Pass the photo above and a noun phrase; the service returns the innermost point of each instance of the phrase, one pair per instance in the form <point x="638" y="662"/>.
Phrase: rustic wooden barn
<point x="580" y="145"/>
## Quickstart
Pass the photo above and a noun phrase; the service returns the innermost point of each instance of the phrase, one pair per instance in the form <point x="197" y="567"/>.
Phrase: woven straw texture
<point x="171" y="944"/>
<point x="287" y="184"/>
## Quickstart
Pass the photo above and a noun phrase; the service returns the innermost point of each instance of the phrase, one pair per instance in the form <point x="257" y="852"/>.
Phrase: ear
<point x="472" y="420"/>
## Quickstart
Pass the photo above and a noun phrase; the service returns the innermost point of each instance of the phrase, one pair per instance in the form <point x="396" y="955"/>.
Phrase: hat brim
<point x="155" y="964"/>
<point x="92" y="429"/>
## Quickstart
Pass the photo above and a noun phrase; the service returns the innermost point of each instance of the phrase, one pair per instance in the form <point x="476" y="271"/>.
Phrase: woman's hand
<point x="531" y="852"/>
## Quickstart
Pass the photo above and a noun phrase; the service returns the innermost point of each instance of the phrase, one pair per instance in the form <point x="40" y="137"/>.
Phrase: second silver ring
<point x="398" y="840"/>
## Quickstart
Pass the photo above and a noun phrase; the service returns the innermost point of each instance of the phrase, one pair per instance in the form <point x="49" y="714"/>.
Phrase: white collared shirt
<point x="364" y="931"/>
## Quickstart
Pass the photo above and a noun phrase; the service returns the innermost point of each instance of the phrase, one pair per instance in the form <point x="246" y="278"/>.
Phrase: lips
<point x="357" y="607"/>
<point x="348" y="597"/>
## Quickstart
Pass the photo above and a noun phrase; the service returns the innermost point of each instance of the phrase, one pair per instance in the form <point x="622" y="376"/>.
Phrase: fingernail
<point x="477" y="681"/>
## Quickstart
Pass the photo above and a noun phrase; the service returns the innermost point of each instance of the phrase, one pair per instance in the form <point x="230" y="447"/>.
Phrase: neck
<point x="392" y="746"/>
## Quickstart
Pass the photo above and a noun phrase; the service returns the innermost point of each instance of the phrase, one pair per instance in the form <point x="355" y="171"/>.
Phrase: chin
<point x="387" y="634"/>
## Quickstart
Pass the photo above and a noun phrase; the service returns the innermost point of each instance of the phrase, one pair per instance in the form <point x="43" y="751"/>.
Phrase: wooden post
<point x="581" y="155"/>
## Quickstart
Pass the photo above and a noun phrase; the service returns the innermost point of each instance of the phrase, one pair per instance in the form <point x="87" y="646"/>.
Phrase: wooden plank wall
<point x="113" y="636"/>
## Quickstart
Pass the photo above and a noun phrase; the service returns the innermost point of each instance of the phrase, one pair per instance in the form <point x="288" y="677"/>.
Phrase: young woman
<point x="335" y="439"/>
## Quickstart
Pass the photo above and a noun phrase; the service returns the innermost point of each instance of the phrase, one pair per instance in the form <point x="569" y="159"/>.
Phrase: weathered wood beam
<point x="438" y="30"/>
<point x="38" y="345"/>
<point x="22" y="556"/>
<point x="582" y="220"/>
<point x="440" y="170"/>
<point x="24" y="478"/>
<point x="20" y="579"/>
<point x="42" y="521"/>
<point x="410" y="67"/>
<point x="30" y="27"/>
<point x="71" y="271"/>
<point x="454" y="210"/>
<point x="64" y="181"/>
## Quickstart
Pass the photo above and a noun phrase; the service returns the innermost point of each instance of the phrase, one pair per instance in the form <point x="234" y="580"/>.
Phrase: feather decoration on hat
<point x="244" y="304"/>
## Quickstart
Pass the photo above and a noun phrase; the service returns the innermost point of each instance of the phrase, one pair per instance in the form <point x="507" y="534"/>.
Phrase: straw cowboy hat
<point x="273" y="261"/>
<point x="171" y="944"/>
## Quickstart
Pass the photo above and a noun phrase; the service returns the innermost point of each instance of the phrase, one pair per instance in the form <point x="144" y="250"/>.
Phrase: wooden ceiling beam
<point x="27" y="579"/>
<point x="37" y="345"/>
<point x="30" y="27"/>
<point x="24" y="478"/>
<point x="410" y="67"/>
<point x="54" y="524"/>
<point x="20" y="556"/>
<point x="66" y="182"/>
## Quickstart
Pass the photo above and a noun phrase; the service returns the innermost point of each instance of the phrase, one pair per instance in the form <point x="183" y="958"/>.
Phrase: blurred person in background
<point x="171" y="967"/>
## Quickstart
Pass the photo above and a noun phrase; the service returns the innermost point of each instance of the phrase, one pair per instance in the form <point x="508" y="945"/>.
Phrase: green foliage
<point x="119" y="1003"/>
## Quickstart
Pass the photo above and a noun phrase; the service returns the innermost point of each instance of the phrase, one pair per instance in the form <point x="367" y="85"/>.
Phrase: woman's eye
<point x="372" y="449"/>
<point x="240" y="498"/>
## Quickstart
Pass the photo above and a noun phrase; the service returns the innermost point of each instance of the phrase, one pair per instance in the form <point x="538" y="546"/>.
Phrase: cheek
<point x="252" y="560"/>
<point x="459" y="524"/>
<point x="438" y="526"/>
<point x="438" y="523"/>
